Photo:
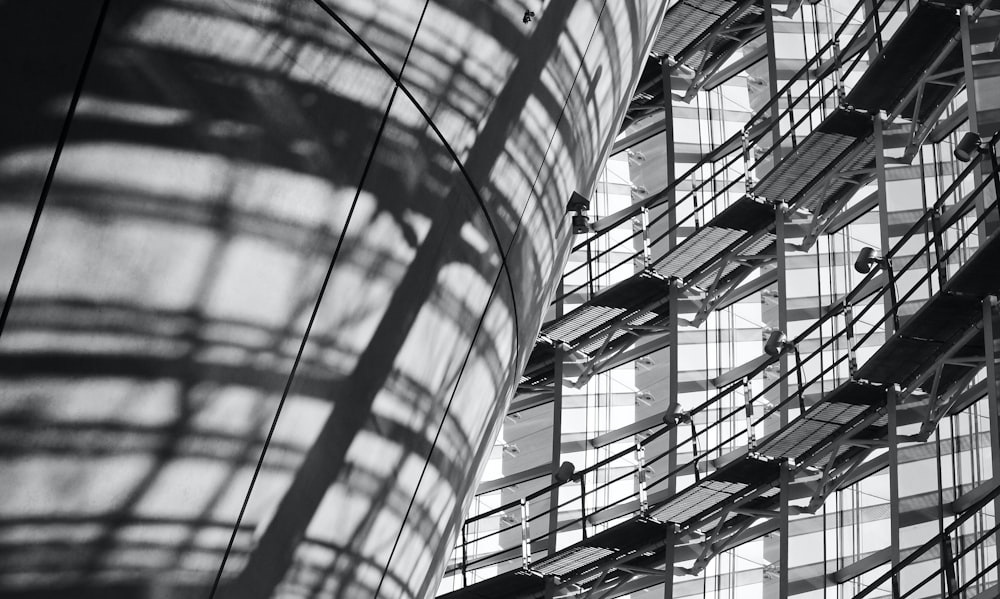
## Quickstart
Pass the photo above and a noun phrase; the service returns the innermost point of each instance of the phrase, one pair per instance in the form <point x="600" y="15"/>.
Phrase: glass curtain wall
<point x="788" y="82"/>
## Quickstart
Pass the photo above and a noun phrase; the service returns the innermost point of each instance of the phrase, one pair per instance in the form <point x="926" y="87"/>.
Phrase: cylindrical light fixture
<point x="565" y="472"/>
<point x="969" y="144"/>
<point x="866" y="257"/>
<point x="775" y="343"/>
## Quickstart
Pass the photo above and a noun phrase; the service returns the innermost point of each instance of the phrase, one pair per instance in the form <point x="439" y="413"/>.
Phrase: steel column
<point x="782" y="266"/>
<point x="782" y="288"/>
<point x="883" y="217"/>
<point x="672" y="325"/>
<point x="786" y="481"/>
<point x="557" y="403"/>
<point x="669" y="550"/>
<point x="525" y="534"/>
<point x="892" y="397"/>
<point x="993" y="396"/>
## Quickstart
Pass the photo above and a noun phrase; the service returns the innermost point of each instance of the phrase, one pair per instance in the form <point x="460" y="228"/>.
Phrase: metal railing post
<point x="525" y="535"/>
<point x="647" y="256"/>
<point x="465" y="556"/>
<point x="640" y="460"/>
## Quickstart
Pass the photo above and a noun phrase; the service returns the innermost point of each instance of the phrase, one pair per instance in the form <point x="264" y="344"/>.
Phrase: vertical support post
<point x="877" y="23"/>
<point x="772" y="79"/>
<point x="525" y="535"/>
<point x="780" y="209"/>
<point x="694" y="447"/>
<point x="780" y="243"/>
<point x="872" y="29"/>
<point x="883" y="214"/>
<point x="801" y="391"/>
<point x="786" y="481"/>
<point x="893" y="296"/>
<point x="465" y="556"/>
<point x="993" y="397"/>
<point x="791" y="119"/>
<point x="583" y="505"/>
<point x="669" y="552"/>
<point x="557" y="404"/>
<point x="972" y="102"/>
<point x="647" y="257"/>
<point x="590" y="271"/>
<point x="942" y="268"/>
<point x="775" y="115"/>
<point x="948" y="559"/>
<point x="948" y="565"/>
<point x="852" y="355"/>
<point x="672" y="325"/>
<point x="995" y="165"/>
<point x="668" y="127"/>
<point x="838" y="79"/>
<point x="640" y="464"/>
<point x="892" y="398"/>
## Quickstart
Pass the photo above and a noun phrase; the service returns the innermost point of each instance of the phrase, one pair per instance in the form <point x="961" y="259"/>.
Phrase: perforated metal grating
<point x="572" y="559"/>
<point x="753" y="249"/>
<point x="703" y="496"/>
<point x="860" y="157"/>
<point x="739" y="31"/>
<point x="810" y="431"/>
<point x="797" y="438"/>
<point x="705" y="245"/>
<point x="835" y="412"/>
<point x="797" y="172"/>
<point x="581" y="321"/>
<point x="685" y="22"/>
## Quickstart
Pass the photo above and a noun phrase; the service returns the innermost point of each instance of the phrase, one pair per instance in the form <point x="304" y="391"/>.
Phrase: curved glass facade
<point x="275" y="268"/>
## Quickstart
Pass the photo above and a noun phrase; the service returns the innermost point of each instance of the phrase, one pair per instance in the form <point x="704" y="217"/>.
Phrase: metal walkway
<point x="601" y="328"/>
<point x="918" y="369"/>
<point x="823" y="171"/>
<point x="918" y="71"/>
<point x="818" y="178"/>
<point x="715" y="256"/>
<point x="696" y="39"/>
<point x="836" y="431"/>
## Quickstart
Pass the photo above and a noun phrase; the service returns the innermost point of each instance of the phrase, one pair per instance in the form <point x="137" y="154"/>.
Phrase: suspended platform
<point x="824" y="170"/>
<point x="590" y="337"/>
<point x="917" y="74"/>
<point x="919" y="69"/>
<point x="834" y="435"/>
<point x="601" y="328"/>
<point x="697" y="38"/>
<point x="583" y="562"/>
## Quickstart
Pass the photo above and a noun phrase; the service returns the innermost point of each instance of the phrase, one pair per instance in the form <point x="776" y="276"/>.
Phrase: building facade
<point x="274" y="268"/>
<point x="843" y="118"/>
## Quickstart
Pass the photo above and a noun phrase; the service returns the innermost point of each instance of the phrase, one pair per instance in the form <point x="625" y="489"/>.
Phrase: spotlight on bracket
<point x="969" y="144"/>
<point x="565" y="472"/>
<point x="579" y="205"/>
<point x="777" y="344"/>
<point x="866" y="259"/>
